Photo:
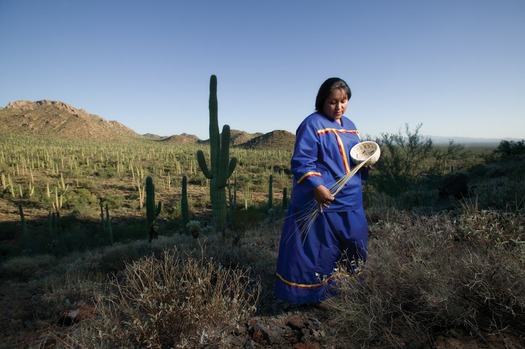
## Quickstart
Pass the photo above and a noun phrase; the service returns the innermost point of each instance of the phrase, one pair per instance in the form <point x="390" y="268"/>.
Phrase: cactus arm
<point x="224" y="153"/>
<point x="158" y="209"/>
<point x="202" y="164"/>
<point x="224" y="157"/>
<point x="233" y="164"/>
<point x="227" y="167"/>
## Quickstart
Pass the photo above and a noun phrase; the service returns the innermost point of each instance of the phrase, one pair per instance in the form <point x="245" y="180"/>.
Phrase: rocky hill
<point x="58" y="119"/>
<point x="241" y="137"/>
<point x="183" y="138"/>
<point x="275" y="139"/>
<point x="61" y="120"/>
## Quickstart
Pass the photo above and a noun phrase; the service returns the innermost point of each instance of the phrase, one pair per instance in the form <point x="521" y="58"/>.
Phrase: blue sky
<point x="455" y="66"/>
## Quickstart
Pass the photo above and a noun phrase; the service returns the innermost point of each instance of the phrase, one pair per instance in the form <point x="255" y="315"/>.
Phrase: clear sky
<point x="455" y="66"/>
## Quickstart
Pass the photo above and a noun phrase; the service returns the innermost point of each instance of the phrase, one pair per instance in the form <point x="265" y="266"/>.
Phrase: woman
<point x="312" y="245"/>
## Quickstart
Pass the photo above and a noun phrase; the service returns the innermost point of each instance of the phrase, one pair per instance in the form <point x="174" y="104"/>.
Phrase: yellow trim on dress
<point x="308" y="174"/>
<point x="294" y="284"/>
<point x="340" y="130"/>
<point x="342" y="150"/>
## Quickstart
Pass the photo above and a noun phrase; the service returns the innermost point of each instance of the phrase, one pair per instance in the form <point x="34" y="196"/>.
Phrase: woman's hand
<point x="323" y="196"/>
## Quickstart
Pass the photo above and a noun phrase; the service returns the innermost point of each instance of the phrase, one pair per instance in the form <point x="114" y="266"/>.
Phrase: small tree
<point x="407" y="157"/>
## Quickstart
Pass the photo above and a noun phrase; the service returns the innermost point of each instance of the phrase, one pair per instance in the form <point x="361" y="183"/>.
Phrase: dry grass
<point x="424" y="278"/>
<point x="168" y="301"/>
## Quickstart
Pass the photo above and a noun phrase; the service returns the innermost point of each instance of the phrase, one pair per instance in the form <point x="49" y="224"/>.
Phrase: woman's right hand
<point x="323" y="196"/>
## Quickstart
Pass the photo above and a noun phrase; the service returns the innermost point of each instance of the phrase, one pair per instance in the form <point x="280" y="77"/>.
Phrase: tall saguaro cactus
<point x="221" y="166"/>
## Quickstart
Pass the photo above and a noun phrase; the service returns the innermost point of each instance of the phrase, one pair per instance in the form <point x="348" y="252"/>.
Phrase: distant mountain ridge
<point x="59" y="119"/>
<point x="469" y="140"/>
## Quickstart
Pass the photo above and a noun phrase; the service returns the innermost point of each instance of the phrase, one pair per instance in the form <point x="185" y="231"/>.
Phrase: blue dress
<point x="312" y="242"/>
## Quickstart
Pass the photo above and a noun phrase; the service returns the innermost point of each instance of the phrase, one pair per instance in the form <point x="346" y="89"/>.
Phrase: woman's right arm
<point x="304" y="160"/>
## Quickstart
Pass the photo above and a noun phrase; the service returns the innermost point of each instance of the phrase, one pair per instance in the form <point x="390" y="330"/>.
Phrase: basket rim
<point x="357" y="152"/>
<point x="376" y="146"/>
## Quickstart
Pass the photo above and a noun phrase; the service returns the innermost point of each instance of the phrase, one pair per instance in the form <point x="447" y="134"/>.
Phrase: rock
<point x="295" y="322"/>
<point x="81" y="312"/>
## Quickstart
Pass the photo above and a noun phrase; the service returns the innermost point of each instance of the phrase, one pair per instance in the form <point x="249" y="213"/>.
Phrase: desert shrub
<point x="114" y="200"/>
<point x="421" y="280"/>
<point x="170" y="301"/>
<point x="510" y="148"/>
<point x="512" y="168"/>
<point x="109" y="259"/>
<point x="24" y="268"/>
<point x="243" y="181"/>
<point x="82" y="203"/>
<point x="198" y="179"/>
<point x="417" y="196"/>
<point x="254" y="249"/>
<point x="193" y="228"/>
<point x="133" y="229"/>
<point x="378" y="205"/>
<point x="407" y="157"/>
<point x="243" y="220"/>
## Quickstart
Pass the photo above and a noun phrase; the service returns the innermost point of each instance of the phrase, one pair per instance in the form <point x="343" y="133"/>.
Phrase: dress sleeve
<point x="305" y="158"/>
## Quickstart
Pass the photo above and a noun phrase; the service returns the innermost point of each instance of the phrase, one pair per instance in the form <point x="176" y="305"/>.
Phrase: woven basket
<point x="367" y="150"/>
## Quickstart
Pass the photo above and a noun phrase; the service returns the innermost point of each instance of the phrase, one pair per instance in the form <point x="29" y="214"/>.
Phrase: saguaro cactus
<point x="25" y="232"/>
<point x="270" y="192"/>
<point x="221" y="166"/>
<point x="152" y="211"/>
<point x="107" y="225"/>
<point x="184" y="206"/>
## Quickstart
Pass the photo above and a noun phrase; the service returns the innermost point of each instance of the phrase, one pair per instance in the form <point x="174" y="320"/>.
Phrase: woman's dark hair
<point x="327" y="88"/>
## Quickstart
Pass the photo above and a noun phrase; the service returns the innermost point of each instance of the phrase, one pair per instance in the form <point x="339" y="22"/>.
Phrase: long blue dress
<point x="311" y="247"/>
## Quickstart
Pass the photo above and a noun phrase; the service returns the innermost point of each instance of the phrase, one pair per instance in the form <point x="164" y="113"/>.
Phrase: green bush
<point x="510" y="148"/>
<point x="407" y="158"/>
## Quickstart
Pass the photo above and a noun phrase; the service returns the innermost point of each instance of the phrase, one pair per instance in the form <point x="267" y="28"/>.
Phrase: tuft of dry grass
<point x="168" y="301"/>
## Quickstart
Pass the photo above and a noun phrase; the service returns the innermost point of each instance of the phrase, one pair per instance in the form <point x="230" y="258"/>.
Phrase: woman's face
<point x="335" y="105"/>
